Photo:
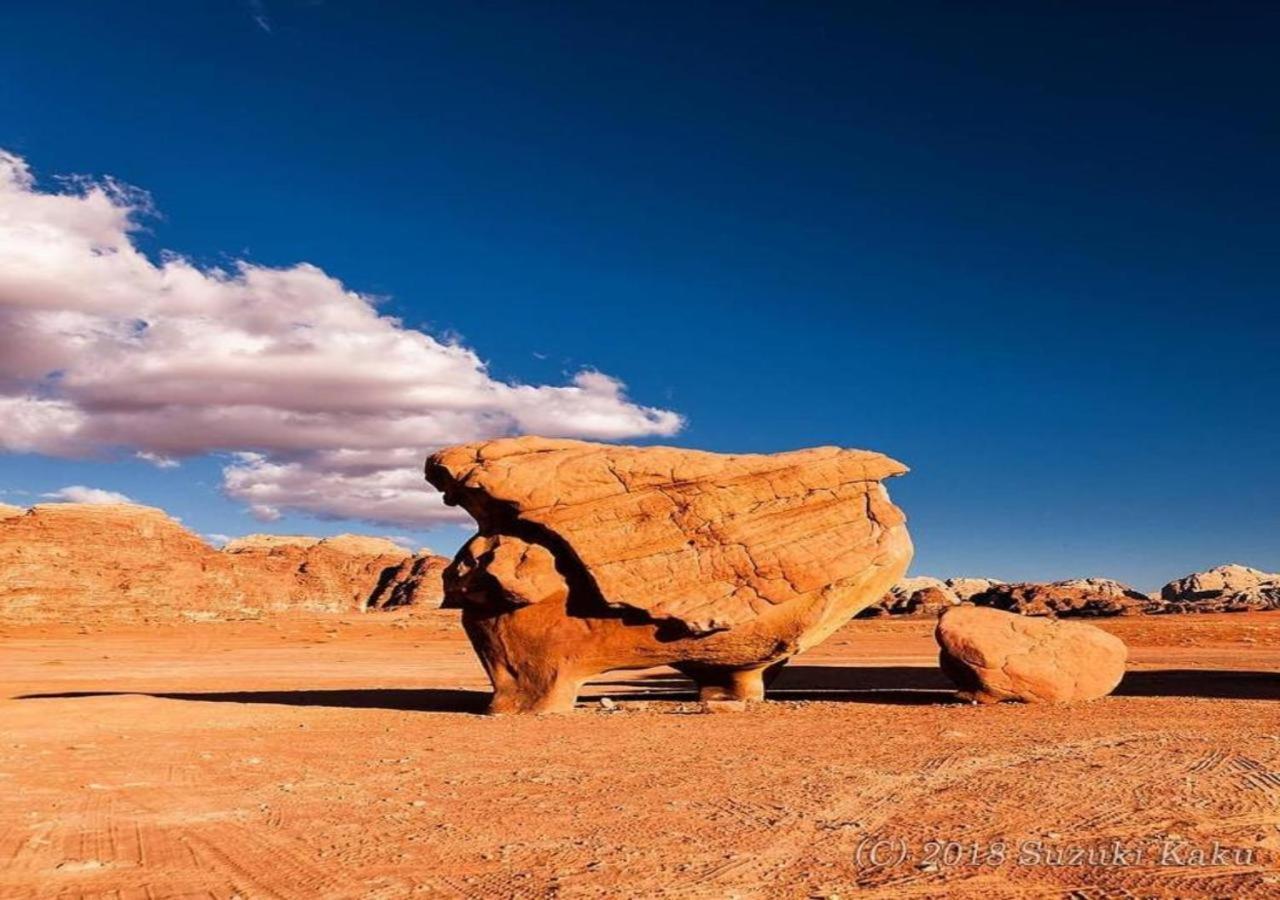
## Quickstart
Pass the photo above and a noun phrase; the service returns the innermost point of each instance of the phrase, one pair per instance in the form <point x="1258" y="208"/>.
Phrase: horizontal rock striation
<point x="591" y="557"/>
<point x="83" y="562"/>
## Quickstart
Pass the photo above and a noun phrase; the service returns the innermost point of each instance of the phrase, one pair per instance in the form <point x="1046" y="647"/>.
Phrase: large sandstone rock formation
<point x="82" y="562"/>
<point x="993" y="655"/>
<point x="1231" y="588"/>
<point x="1077" y="597"/>
<point x="592" y="557"/>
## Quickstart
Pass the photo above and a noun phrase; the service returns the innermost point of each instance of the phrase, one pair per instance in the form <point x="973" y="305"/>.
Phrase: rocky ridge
<point x="82" y="562"/>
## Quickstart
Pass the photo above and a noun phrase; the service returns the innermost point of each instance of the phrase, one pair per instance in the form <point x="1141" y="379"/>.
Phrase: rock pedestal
<point x="593" y="557"/>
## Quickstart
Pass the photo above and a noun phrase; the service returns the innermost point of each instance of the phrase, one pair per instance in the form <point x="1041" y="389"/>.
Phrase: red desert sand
<point x="344" y="756"/>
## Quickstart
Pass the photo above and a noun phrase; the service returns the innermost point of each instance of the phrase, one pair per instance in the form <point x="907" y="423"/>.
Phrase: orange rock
<point x="415" y="584"/>
<point x="280" y="573"/>
<point x="993" y="655"/>
<point x="593" y="557"/>
<point x="70" y="561"/>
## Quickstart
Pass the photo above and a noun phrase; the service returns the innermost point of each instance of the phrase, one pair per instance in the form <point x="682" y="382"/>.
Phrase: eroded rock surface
<point x="415" y="584"/>
<point x="993" y="655"/>
<point x="1080" y="597"/>
<point x="81" y="562"/>
<point x="279" y="573"/>
<point x="966" y="588"/>
<point x="1231" y="588"/>
<point x="918" y="596"/>
<point x="591" y="557"/>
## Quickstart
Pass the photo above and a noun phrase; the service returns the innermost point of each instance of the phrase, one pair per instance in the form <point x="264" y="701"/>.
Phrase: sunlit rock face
<point x="1231" y="588"/>
<point x="592" y="557"/>
<point x="992" y="656"/>
<point x="86" y="562"/>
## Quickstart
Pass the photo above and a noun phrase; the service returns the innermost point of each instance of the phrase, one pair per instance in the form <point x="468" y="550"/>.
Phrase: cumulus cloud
<point x="78" y="493"/>
<point x="328" y="406"/>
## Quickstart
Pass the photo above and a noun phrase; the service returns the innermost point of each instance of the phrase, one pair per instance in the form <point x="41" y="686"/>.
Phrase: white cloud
<point x="78" y="493"/>
<point x="159" y="460"/>
<point x="330" y="406"/>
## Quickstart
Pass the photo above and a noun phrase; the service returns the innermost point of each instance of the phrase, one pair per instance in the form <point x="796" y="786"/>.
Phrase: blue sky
<point x="1028" y="249"/>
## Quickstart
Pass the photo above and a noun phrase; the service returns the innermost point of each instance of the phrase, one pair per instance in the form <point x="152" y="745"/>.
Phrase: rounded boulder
<point x="993" y="656"/>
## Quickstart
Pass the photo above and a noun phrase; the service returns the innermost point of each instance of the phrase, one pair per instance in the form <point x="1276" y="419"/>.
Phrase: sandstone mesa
<point x="81" y="562"/>
<point x="993" y="656"/>
<point x="591" y="557"/>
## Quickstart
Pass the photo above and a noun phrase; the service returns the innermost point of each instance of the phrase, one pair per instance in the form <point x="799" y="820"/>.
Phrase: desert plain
<point x="338" y="755"/>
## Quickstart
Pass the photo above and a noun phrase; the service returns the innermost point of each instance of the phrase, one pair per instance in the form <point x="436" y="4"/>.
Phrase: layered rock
<point x="81" y="562"/>
<point x="1231" y="588"/>
<point x="73" y="561"/>
<point x="918" y="596"/>
<point x="279" y="573"/>
<point x="1077" y="597"/>
<point x="592" y="557"/>
<point x="415" y="584"/>
<point x="993" y="655"/>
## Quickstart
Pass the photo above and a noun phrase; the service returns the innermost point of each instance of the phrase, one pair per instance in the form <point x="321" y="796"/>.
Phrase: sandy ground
<point x="342" y="758"/>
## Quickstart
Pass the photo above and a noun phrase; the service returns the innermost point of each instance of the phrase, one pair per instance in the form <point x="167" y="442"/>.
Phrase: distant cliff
<point x="70" y="561"/>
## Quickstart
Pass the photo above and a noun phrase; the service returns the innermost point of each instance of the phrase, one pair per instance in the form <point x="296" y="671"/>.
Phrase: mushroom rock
<point x="1078" y="597"/>
<point x="415" y="584"/>
<point x="993" y="655"/>
<point x="966" y="588"/>
<point x="592" y="557"/>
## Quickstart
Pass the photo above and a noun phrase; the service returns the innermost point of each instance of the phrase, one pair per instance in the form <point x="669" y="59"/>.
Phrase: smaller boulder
<point x="993" y="656"/>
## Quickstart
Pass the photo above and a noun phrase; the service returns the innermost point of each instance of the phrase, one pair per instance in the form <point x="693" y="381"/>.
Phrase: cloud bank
<point x="327" y="406"/>
<point x="78" y="493"/>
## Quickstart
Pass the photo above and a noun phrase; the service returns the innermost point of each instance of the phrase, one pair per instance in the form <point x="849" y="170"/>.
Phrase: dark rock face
<point x="919" y="596"/>
<point x="415" y="584"/>
<point x="1077" y="598"/>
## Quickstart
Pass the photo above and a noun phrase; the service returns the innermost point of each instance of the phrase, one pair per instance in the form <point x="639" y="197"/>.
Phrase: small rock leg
<point x="726" y="684"/>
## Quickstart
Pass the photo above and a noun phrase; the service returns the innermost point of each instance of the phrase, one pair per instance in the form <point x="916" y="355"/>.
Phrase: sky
<point x="258" y="258"/>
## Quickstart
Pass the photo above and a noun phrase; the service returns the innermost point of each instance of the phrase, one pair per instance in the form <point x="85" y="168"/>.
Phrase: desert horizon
<point x="717" y="451"/>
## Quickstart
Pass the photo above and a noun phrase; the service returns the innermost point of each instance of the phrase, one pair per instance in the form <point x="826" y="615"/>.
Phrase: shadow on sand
<point x="899" y="685"/>
<point x="412" y="699"/>
<point x="908" y="685"/>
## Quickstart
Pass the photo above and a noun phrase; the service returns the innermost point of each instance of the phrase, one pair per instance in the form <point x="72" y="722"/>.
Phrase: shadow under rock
<point x="410" y="699"/>
<point x="902" y="685"/>
<point x="914" y="685"/>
